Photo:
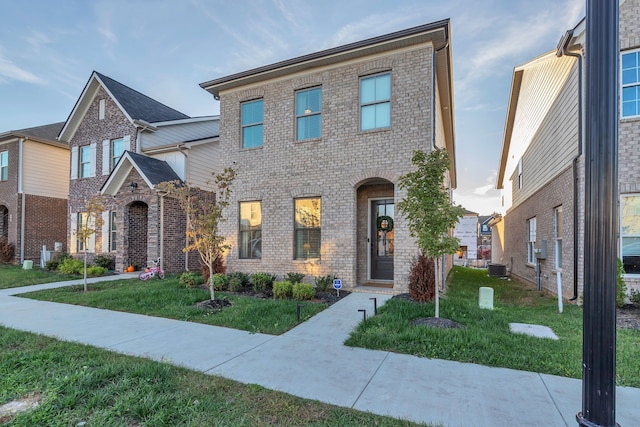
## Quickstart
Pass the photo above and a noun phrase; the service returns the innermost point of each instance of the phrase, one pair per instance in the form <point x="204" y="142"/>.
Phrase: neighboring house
<point x="123" y="143"/>
<point x="34" y="185"/>
<point x="466" y="232"/>
<point x="541" y="168"/>
<point x="484" y="238"/>
<point x="320" y="142"/>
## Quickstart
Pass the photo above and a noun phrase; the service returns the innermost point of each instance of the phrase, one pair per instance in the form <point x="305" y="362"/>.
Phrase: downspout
<point x="161" y="196"/>
<point x="22" y="196"/>
<point x="562" y="50"/>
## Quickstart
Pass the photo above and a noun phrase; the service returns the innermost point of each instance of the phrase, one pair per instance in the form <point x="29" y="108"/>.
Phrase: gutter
<point x="562" y="50"/>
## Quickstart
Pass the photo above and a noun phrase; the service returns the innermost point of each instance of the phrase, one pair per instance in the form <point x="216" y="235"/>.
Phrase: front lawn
<point x="12" y="276"/>
<point x="81" y="385"/>
<point x="486" y="338"/>
<point x="168" y="298"/>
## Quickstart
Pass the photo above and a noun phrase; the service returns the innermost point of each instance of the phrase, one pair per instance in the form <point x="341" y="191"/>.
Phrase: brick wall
<point x="45" y="224"/>
<point x="332" y="167"/>
<point x="9" y="197"/>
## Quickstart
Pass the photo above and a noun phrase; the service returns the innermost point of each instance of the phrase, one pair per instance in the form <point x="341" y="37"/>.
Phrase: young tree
<point x="204" y="211"/>
<point x="89" y="222"/>
<point x="428" y="208"/>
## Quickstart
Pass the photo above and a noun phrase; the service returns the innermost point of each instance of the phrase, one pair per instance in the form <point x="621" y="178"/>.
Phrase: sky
<point x="165" y="48"/>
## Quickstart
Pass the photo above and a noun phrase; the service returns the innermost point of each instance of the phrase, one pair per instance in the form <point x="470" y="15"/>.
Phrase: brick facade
<point x="45" y="224"/>
<point x="345" y="167"/>
<point x="9" y="197"/>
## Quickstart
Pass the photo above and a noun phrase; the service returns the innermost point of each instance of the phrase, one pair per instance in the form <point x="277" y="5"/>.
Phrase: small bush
<point x="190" y="279"/>
<point x="303" y="291"/>
<point x="262" y="282"/>
<point x="95" y="270"/>
<point x="218" y="267"/>
<point x="220" y="282"/>
<point x="56" y="260"/>
<point x="422" y="279"/>
<point x="108" y="262"/>
<point x="235" y="283"/>
<point x="635" y="297"/>
<point x="7" y="251"/>
<point x="295" y="277"/>
<point x="621" y="287"/>
<point x="71" y="266"/>
<point x="323" y="283"/>
<point x="243" y="278"/>
<point x="282" y="290"/>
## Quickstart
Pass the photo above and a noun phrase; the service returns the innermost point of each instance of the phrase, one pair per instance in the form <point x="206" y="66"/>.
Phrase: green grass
<point x="84" y="384"/>
<point x="167" y="298"/>
<point x="12" y="276"/>
<point x="486" y="338"/>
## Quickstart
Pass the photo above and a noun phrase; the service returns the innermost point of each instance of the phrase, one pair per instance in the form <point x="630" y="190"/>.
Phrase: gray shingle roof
<point x="156" y="171"/>
<point x="139" y="106"/>
<point x="49" y="132"/>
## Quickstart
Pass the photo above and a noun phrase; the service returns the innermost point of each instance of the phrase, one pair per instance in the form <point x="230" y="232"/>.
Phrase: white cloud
<point x="10" y="71"/>
<point x="481" y="191"/>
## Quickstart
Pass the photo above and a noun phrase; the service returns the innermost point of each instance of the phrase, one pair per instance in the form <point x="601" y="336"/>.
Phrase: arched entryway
<point x="376" y="245"/>
<point x="4" y="222"/>
<point x="136" y="234"/>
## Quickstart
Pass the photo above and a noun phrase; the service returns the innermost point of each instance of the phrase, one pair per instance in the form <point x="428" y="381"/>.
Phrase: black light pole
<point x="601" y="216"/>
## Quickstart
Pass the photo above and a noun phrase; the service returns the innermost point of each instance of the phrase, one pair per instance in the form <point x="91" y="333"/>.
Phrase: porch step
<point x="378" y="285"/>
<point x="372" y="289"/>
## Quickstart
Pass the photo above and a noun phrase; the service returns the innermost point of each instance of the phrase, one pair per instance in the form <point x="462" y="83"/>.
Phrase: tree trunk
<point x="437" y="293"/>
<point x="210" y="265"/>
<point x="85" y="267"/>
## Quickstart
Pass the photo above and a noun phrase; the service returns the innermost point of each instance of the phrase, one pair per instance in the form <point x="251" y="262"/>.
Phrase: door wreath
<point x="383" y="218"/>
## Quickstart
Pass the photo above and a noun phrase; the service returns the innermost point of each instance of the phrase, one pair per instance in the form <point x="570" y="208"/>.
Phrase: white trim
<point x="92" y="159"/>
<point x="106" y="158"/>
<point x="74" y="162"/>
<point x="106" y="232"/>
<point x="101" y="107"/>
<point x="126" y="142"/>
<point x="621" y="86"/>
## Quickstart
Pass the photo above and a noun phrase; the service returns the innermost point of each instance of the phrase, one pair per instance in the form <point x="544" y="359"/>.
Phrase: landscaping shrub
<point x="95" y="270"/>
<point x="295" y="277"/>
<point x="7" y="251"/>
<point x="323" y="283"/>
<point x="621" y="293"/>
<point x="262" y="282"/>
<point x="56" y="260"/>
<point x="282" y="290"/>
<point x="635" y="297"/>
<point x="303" y="291"/>
<point x="108" y="262"/>
<point x="190" y="279"/>
<point x="220" y="282"/>
<point x="71" y="266"/>
<point x="237" y="281"/>
<point x="422" y="279"/>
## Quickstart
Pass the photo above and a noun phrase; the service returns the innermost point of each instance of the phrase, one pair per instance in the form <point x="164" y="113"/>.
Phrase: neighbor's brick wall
<point x="540" y="205"/>
<point x="9" y="196"/>
<point x="331" y="167"/>
<point x="45" y="224"/>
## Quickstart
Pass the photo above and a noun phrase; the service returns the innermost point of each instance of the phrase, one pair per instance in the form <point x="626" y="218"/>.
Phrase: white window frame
<point x="376" y="102"/>
<point x="520" y="174"/>
<point x="622" y="235"/>
<point x="558" y="228"/>
<point x="4" y="165"/>
<point x="636" y="84"/>
<point x="531" y="240"/>
<point x="113" y="231"/>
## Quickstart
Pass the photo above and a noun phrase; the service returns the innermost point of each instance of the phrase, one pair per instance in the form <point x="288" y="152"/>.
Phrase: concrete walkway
<point x="310" y="361"/>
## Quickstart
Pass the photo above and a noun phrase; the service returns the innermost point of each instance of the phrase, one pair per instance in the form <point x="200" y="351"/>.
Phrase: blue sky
<point x="165" y="48"/>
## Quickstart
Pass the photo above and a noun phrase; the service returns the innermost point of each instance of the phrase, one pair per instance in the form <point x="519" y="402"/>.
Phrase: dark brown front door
<point x="381" y="242"/>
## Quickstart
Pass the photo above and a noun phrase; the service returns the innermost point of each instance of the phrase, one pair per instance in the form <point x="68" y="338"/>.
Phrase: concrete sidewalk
<point x="310" y="361"/>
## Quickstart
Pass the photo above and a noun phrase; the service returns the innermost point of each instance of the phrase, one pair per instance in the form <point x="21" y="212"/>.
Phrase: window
<point x="519" y="174"/>
<point x="531" y="240"/>
<point x="252" y="116"/>
<point x="375" y="102"/>
<point x="85" y="161"/>
<point x="112" y="231"/>
<point x="308" y="114"/>
<point x="630" y="233"/>
<point x="81" y="222"/>
<point x="307" y="229"/>
<point x="4" y="166"/>
<point x="117" y="149"/>
<point x="250" y="230"/>
<point x="557" y="232"/>
<point x="630" y="69"/>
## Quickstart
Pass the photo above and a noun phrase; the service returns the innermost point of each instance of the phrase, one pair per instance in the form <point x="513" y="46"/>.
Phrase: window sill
<point x="528" y="264"/>
<point x="310" y="261"/>
<point x="629" y="119"/>
<point x="376" y="130"/>
<point x="251" y="148"/>
<point x="304" y="141"/>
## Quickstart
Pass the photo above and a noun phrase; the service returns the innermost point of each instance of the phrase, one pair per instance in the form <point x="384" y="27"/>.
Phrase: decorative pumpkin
<point x="130" y="269"/>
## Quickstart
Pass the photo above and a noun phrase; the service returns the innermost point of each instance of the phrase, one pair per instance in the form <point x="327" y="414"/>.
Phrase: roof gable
<point x="133" y="104"/>
<point x="152" y="171"/>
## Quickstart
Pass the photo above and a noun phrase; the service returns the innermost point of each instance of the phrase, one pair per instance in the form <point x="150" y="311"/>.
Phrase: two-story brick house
<point x="34" y="185"/>
<point x="319" y="143"/>
<point x="123" y="144"/>
<point x="541" y="169"/>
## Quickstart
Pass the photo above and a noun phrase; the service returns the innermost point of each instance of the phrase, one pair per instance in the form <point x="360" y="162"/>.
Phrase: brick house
<point x="319" y="143"/>
<point x="122" y="144"/>
<point x="541" y="170"/>
<point x="34" y="186"/>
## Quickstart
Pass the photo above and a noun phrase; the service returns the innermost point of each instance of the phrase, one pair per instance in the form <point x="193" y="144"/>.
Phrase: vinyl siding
<point x="46" y="170"/>
<point x="172" y="134"/>
<point x="203" y="161"/>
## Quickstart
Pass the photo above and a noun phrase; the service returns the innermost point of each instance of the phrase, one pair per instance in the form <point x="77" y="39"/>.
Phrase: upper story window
<point x="630" y="69"/>
<point x="308" y="114"/>
<point x="117" y="149"/>
<point x="531" y="240"/>
<point x="375" y="101"/>
<point x="630" y="233"/>
<point x="252" y="118"/>
<point x="307" y="229"/>
<point x="4" y="166"/>
<point x="250" y="239"/>
<point x="519" y="174"/>
<point x="85" y="161"/>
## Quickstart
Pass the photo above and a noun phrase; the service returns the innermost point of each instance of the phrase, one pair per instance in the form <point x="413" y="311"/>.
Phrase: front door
<point x="381" y="241"/>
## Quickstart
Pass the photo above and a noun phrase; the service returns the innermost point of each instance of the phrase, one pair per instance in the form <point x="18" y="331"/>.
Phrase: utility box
<point x="541" y="252"/>
<point x="485" y="299"/>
